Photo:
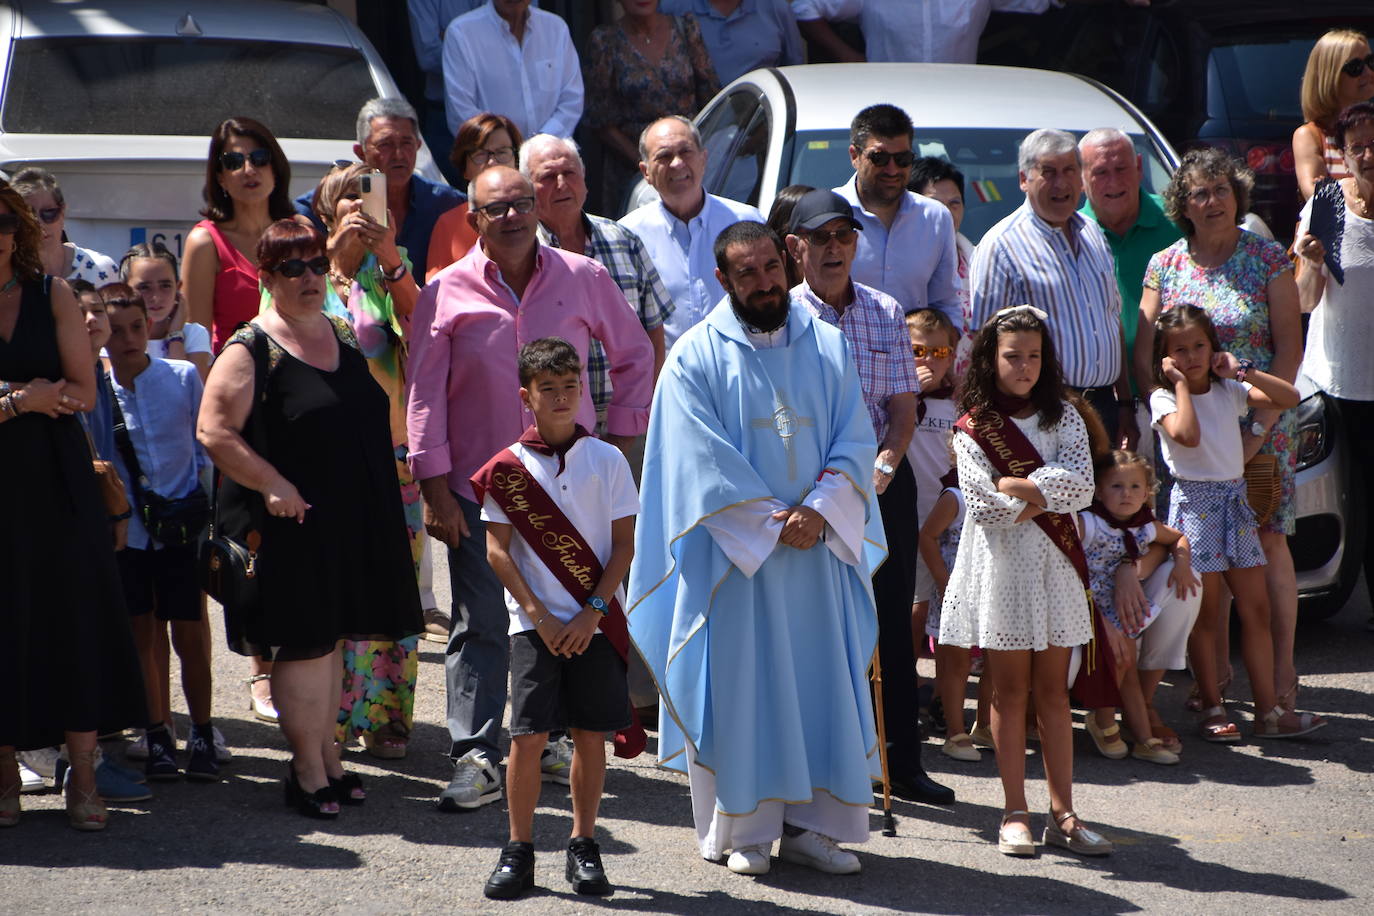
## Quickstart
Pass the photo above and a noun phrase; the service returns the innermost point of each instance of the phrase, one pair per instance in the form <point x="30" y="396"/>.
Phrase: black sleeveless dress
<point x="346" y="572"/>
<point x="70" y="658"/>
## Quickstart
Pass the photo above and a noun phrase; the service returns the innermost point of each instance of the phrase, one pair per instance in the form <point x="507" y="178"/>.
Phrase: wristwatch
<point x="1242" y="367"/>
<point x="175" y="336"/>
<point x="882" y="467"/>
<point x="1257" y="430"/>
<point x="599" y="605"/>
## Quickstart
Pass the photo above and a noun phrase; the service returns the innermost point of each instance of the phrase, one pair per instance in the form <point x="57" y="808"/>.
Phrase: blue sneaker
<point x="161" y="765"/>
<point x="114" y="786"/>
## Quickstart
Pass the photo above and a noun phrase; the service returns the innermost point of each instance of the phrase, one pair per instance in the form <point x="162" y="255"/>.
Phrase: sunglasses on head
<point x="499" y="208"/>
<point x="881" y="158"/>
<point x="232" y="162"/>
<point x="9" y="223"/>
<point x="296" y="267"/>
<point x="921" y="351"/>
<point x="1357" y="66"/>
<point x="844" y="235"/>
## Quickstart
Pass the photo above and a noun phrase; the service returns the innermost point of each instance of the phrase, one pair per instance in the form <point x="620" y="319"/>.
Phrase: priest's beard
<point x="764" y="310"/>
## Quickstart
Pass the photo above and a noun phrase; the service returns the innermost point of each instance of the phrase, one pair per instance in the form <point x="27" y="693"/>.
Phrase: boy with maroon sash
<point x="559" y="507"/>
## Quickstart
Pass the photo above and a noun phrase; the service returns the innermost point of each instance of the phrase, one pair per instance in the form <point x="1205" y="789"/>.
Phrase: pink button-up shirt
<point x="464" y="400"/>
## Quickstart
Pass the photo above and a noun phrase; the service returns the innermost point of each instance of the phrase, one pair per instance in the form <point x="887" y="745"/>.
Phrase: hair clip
<point x="1012" y="310"/>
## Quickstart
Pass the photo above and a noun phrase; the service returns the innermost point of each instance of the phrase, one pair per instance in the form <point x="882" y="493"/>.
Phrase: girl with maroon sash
<point x="1150" y="625"/>
<point x="1019" y="590"/>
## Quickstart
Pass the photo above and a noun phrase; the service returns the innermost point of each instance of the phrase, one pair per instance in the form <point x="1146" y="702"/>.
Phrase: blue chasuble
<point x="766" y="676"/>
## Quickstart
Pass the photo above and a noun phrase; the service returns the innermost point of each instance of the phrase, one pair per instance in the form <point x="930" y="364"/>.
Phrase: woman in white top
<point x="60" y="257"/>
<point x="151" y="271"/>
<point x="1340" y="340"/>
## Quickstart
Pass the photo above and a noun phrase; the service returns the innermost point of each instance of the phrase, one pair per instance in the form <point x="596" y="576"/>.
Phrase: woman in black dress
<point x="309" y="465"/>
<point x="74" y="667"/>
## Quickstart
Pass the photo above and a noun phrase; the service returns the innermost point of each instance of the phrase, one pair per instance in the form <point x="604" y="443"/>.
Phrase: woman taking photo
<point x="72" y="663"/>
<point x="247" y="181"/>
<point x="483" y="140"/>
<point x="1245" y="285"/>
<point x="372" y="275"/>
<point x="1340" y="72"/>
<point x="334" y="562"/>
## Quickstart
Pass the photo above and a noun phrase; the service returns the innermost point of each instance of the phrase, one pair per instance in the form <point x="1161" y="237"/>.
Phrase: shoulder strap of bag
<point x="126" y="450"/>
<point x="258" y="434"/>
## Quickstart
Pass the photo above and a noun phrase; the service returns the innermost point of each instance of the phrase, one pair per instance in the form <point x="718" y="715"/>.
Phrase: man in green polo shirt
<point x="1133" y="220"/>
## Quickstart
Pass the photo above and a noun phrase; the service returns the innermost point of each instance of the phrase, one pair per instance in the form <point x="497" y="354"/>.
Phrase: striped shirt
<point x="875" y="329"/>
<point x="623" y="255"/>
<point x="1024" y="260"/>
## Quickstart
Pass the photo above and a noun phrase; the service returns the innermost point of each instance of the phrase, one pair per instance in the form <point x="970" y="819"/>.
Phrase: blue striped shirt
<point x="1025" y="260"/>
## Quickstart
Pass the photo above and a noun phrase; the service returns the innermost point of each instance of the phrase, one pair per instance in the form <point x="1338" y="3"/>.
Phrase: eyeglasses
<point x="921" y="351"/>
<point x="881" y="158"/>
<point x="9" y="223"/>
<point x="1355" y="67"/>
<point x="296" y="267"/>
<point x="499" y="208"/>
<point x="50" y="215"/>
<point x="502" y="154"/>
<point x="232" y="162"/>
<point x="1203" y="195"/>
<point x="843" y="235"/>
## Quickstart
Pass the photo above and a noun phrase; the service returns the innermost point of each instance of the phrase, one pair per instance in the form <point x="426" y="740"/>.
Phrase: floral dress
<point x="1235" y="296"/>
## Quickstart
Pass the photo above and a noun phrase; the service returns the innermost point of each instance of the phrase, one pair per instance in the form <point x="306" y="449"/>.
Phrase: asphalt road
<point x="1266" y="827"/>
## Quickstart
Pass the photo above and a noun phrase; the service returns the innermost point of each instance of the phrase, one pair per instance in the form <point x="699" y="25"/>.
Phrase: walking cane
<point x="889" y="824"/>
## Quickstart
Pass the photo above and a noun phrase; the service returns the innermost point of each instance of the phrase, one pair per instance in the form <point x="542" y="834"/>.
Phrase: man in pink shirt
<point x="464" y="406"/>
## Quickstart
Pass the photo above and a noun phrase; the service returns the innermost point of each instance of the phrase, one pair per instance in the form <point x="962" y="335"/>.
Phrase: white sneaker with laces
<point x="42" y="761"/>
<point x="750" y="860"/>
<point x="476" y="782"/>
<point x="556" y="763"/>
<point x="30" y="780"/>
<point x="818" y="851"/>
<point x="222" y="752"/>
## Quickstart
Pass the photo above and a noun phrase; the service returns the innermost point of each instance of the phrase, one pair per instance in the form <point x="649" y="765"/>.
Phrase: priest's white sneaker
<point x="818" y="851"/>
<point x="749" y="860"/>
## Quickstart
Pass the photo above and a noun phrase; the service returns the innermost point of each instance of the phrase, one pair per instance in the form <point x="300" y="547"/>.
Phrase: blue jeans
<point x="477" y="662"/>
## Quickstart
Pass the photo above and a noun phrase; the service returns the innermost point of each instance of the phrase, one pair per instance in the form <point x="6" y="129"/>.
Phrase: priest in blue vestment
<point x="750" y="594"/>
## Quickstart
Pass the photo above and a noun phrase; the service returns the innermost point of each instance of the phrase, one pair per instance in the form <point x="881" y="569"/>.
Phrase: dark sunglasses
<point x="50" y="215"/>
<point x="232" y="162"/>
<point x="9" y="223"/>
<point x="843" y="235"/>
<point x="881" y="158"/>
<point x="921" y="351"/>
<point x="1357" y="66"/>
<point x="295" y="267"/>
<point x="499" y="208"/>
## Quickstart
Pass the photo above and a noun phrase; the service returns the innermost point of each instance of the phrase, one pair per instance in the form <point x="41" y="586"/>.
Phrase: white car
<point x="118" y="100"/>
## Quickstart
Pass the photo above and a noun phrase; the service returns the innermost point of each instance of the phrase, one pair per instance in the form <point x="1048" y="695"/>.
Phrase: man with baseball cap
<point x="823" y="240"/>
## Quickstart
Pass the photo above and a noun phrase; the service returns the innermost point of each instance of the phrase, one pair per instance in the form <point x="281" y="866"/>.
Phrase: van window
<point x="182" y="87"/>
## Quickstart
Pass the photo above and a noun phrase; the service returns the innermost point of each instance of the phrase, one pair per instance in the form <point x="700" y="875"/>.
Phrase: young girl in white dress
<point x="1013" y="591"/>
<point x="1200" y="387"/>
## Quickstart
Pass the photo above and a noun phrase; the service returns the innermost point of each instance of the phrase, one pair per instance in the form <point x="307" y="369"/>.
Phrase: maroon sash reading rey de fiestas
<point x="561" y="547"/>
<point x="1013" y="455"/>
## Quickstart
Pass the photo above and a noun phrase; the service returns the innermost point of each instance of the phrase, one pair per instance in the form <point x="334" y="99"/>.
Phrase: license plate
<point x="169" y="236"/>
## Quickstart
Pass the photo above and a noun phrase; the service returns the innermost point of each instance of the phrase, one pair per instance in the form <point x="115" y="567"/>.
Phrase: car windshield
<point x="986" y="156"/>
<point x="179" y="87"/>
<point x="1258" y="76"/>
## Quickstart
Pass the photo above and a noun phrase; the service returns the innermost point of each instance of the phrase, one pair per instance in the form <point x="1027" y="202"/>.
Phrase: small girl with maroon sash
<point x="1150" y="625"/>
<point x="1020" y="590"/>
<point x="1199" y="386"/>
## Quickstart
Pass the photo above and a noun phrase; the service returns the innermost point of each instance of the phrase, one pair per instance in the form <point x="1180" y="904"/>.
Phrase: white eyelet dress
<point x="1011" y="588"/>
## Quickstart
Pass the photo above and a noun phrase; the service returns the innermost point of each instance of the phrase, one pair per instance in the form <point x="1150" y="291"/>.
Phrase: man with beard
<point x="750" y="594"/>
<point x="823" y="238"/>
<point x="907" y="247"/>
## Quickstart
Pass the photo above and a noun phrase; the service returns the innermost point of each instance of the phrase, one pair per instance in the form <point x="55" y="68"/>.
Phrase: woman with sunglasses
<point x="70" y="659"/>
<point x="309" y="466"/>
<point x="483" y="140"/>
<point x="61" y="258"/>
<point x="1340" y="72"/>
<point x="372" y="275"/>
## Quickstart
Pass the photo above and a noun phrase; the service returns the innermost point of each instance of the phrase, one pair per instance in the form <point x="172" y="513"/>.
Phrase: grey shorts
<point x="550" y="693"/>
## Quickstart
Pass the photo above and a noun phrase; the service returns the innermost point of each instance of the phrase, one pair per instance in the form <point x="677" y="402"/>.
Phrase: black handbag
<point x="176" y="522"/>
<point x="229" y="565"/>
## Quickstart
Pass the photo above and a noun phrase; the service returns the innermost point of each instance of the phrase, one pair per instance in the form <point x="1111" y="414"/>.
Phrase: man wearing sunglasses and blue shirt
<point x="907" y="245"/>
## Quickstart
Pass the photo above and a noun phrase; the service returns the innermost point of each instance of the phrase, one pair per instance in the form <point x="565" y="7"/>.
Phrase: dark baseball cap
<point x="818" y="207"/>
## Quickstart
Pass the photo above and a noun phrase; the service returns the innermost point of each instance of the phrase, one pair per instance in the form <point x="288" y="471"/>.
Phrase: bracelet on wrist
<point x="391" y="276"/>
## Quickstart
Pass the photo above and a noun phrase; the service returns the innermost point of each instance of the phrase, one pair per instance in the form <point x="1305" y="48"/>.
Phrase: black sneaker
<point x="514" y="872"/>
<point x="201" y="762"/>
<point x="161" y="765"/>
<point x="584" y="871"/>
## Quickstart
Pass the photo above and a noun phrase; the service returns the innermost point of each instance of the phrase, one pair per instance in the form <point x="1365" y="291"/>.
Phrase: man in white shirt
<point x="907" y="246"/>
<point x="516" y="61"/>
<point x="680" y="228"/>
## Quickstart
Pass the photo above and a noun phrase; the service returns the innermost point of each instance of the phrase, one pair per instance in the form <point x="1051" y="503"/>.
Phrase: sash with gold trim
<point x="1013" y="455"/>
<point x="558" y="544"/>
